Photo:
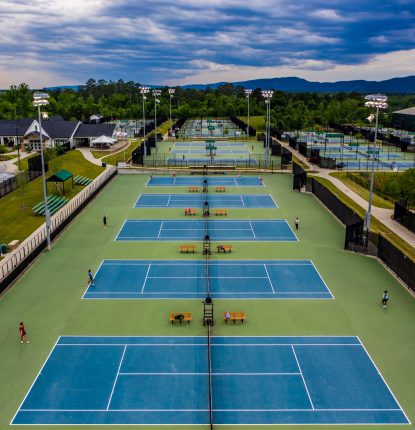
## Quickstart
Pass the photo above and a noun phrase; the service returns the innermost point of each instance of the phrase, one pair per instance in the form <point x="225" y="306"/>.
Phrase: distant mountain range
<point x="404" y="85"/>
<point x="297" y="85"/>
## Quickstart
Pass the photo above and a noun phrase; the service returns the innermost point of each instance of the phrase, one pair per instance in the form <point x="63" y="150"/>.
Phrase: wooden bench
<point x="190" y="211"/>
<point x="193" y="189"/>
<point x="187" y="248"/>
<point x="180" y="316"/>
<point x="221" y="212"/>
<point x="234" y="316"/>
<point x="220" y="189"/>
<point x="13" y="245"/>
<point x="224" y="248"/>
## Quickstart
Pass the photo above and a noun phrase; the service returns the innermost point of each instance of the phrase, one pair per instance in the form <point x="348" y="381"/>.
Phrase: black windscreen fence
<point x="7" y="186"/>
<point x="404" y="216"/>
<point x="397" y="261"/>
<point x="375" y="244"/>
<point x="299" y="177"/>
<point x="346" y="215"/>
<point x="35" y="167"/>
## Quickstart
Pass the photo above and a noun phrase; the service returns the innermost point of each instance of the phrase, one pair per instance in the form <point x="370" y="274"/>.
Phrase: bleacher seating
<point x="54" y="204"/>
<point x="82" y="180"/>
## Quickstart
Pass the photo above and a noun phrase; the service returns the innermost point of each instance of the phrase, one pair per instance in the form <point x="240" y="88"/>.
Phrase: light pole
<point x="267" y="94"/>
<point x="42" y="99"/>
<point x="171" y="93"/>
<point x="248" y="93"/>
<point x="377" y="101"/>
<point x="144" y="91"/>
<point x="156" y="93"/>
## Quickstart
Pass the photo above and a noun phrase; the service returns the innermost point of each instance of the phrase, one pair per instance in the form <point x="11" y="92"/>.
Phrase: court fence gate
<point x="18" y="260"/>
<point x="374" y="244"/>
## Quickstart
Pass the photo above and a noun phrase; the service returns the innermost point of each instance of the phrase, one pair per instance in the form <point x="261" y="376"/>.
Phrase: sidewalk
<point x="383" y="215"/>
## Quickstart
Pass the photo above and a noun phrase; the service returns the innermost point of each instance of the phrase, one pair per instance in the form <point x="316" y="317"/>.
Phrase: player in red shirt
<point x="23" y="334"/>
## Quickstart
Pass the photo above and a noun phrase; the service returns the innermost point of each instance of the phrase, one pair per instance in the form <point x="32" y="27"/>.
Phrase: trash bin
<point x="104" y="164"/>
<point x="3" y="248"/>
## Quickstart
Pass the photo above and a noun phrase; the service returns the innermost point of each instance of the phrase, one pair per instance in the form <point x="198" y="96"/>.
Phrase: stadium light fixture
<point x="42" y="99"/>
<point x="144" y="91"/>
<point x="378" y="101"/>
<point x="248" y="92"/>
<point x="171" y="93"/>
<point x="156" y="93"/>
<point x="267" y="94"/>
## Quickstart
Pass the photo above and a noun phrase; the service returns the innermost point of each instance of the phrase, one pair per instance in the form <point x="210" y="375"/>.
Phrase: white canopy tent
<point x="103" y="141"/>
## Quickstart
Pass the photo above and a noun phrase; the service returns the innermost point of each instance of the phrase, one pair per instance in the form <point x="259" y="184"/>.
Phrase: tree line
<point x="122" y="100"/>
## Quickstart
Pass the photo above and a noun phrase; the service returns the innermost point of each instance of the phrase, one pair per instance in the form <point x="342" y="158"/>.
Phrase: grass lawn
<point x="17" y="220"/>
<point x="119" y="156"/>
<point x="48" y="298"/>
<point x="256" y="121"/>
<point x="378" y="201"/>
<point x="5" y="157"/>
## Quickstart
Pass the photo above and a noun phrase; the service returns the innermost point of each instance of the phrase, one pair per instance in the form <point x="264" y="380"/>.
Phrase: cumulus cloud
<point x="69" y="41"/>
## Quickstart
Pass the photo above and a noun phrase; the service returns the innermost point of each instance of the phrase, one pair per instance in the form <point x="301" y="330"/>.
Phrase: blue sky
<point x="64" y="42"/>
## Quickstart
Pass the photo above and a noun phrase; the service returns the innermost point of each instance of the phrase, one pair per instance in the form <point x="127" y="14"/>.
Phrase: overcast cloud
<point x="64" y="42"/>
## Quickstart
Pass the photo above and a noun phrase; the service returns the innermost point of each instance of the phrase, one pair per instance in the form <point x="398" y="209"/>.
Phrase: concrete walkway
<point x="383" y="215"/>
<point x="8" y="166"/>
<point x="86" y="152"/>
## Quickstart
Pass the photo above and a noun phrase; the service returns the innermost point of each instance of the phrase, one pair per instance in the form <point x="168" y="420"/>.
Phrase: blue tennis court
<point x="225" y="161"/>
<point x="222" y="200"/>
<point x="183" y="279"/>
<point x="213" y="181"/>
<point x="194" y="230"/>
<point x="203" y="151"/>
<point x="218" y="143"/>
<point x="165" y="380"/>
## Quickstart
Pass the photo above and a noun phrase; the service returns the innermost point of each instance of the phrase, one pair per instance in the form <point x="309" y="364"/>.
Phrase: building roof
<point x="59" y="129"/>
<point x="95" y="130"/>
<point x="8" y="127"/>
<point x="408" y="111"/>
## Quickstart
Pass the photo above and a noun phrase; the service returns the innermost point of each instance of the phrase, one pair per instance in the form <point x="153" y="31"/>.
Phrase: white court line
<point x="120" y="230"/>
<point x="161" y="226"/>
<point x="116" y="377"/>
<point x="242" y="200"/>
<point x="302" y="376"/>
<point x="145" y="280"/>
<point x="252" y="229"/>
<point x="216" y="410"/>
<point x="213" y="373"/>
<point x="269" y="279"/>
<point x="34" y="382"/>
<point x="88" y="285"/>
<point x="321" y="278"/>
<point x="275" y="203"/>
<point x="135" y="204"/>
<point x="387" y="386"/>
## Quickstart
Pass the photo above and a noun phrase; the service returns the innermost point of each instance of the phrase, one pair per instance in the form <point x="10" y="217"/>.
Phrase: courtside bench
<point x="180" y="316"/>
<point x="190" y="211"/>
<point x="187" y="248"/>
<point x="220" y="189"/>
<point x="224" y="248"/>
<point x="221" y="212"/>
<point x="234" y="316"/>
<point x="193" y="189"/>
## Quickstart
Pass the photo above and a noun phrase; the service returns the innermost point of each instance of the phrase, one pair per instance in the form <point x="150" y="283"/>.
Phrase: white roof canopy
<point x="103" y="140"/>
